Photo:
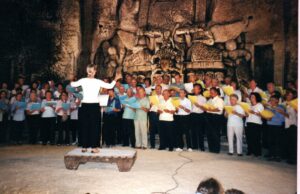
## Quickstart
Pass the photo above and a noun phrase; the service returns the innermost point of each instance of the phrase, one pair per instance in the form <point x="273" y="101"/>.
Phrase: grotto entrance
<point x="264" y="64"/>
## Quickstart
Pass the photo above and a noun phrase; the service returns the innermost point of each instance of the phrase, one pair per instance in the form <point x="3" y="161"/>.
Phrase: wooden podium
<point x="123" y="158"/>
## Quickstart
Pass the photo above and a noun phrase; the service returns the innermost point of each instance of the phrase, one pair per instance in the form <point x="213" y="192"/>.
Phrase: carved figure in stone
<point x="230" y="31"/>
<point x="202" y="52"/>
<point x="194" y="34"/>
<point x="129" y="9"/>
<point x="141" y="42"/>
<point x="105" y="17"/>
<point x="128" y="24"/>
<point x="140" y="61"/>
<point x="113" y="61"/>
<point x="168" y="59"/>
<point x="124" y="40"/>
<point x="185" y="37"/>
<point x="159" y="39"/>
<point x="164" y="49"/>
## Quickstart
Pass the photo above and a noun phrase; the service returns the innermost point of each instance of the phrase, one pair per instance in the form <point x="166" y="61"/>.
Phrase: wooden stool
<point x="123" y="158"/>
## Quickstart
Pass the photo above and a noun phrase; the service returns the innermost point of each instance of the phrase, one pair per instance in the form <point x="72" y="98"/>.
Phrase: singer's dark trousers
<point x="33" y="122"/>
<point x="110" y="128"/>
<point x="198" y="130"/>
<point x="128" y="132"/>
<point x="166" y="135"/>
<point x="153" y="127"/>
<point x="182" y="127"/>
<point x="213" y="131"/>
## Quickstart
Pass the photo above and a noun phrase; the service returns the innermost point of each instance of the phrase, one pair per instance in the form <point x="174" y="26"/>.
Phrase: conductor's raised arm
<point x="76" y="83"/>
<point x="112" y="84"/>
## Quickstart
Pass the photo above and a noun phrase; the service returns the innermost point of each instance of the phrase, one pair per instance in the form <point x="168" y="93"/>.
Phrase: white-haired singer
<point x="89" y="112"/>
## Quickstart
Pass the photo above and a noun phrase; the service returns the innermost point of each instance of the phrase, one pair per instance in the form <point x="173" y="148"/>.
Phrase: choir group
<point x="184" y="115"/>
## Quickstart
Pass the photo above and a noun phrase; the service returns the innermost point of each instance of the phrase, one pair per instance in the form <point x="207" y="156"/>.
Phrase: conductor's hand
<point x="118" y="75"/>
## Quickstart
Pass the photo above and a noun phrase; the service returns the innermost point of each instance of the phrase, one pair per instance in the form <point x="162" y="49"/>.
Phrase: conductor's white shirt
<point x="91" y="88"/>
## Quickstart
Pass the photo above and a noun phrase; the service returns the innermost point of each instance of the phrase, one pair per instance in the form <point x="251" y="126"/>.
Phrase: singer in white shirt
<point x="235" y="126"/>
<point x="197" y="121"/>
<point x="214" y="120"/>
<point x="166" y="111"/>
<point x="182" y="119"/>
<point x="154" y="117"/>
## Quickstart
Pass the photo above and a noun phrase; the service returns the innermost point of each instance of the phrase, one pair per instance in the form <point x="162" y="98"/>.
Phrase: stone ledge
<point x="123" y="158"/>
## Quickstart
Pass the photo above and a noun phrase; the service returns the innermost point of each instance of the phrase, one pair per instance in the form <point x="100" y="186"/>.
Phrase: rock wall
<point x="291" y="31"/>
<point x="170" y="13"/>
<point x="28" y="31"/>
<point x="142" y="39"/>
<point x="266" y="28"/>
<point x="146" y="36"/>
<point x="68" y="39"/>
<point x="234" y="27"/>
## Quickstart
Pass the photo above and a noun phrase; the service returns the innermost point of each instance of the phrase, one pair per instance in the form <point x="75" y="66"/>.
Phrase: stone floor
<point x="40" y="169"/>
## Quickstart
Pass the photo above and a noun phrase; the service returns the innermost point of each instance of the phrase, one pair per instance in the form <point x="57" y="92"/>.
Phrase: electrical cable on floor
<point x="176" y="171"/>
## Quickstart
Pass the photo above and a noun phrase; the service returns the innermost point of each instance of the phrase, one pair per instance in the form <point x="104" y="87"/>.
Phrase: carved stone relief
<point x="170" y="42"/>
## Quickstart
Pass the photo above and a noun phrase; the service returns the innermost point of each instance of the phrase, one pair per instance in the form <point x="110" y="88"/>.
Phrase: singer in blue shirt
<point x="18" y="113"/>
<point x="111" y="119"/>
<point x="275" y="128"/>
